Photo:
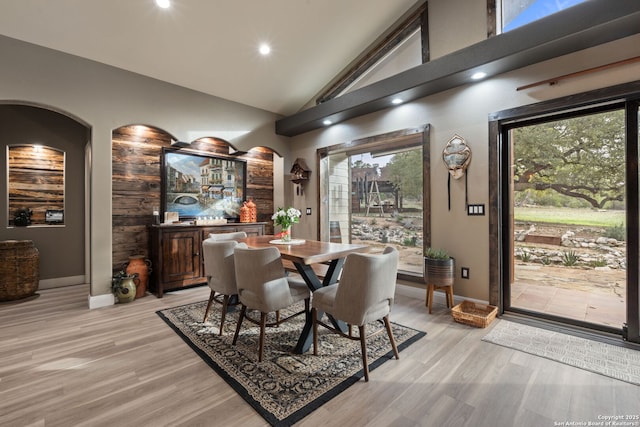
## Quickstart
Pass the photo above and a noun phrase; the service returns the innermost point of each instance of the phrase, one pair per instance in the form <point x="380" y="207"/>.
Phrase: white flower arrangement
<point x="284" y="218"/>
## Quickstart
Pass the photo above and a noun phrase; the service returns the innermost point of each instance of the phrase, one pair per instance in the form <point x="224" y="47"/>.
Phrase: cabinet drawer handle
<point x="196" y="254"/>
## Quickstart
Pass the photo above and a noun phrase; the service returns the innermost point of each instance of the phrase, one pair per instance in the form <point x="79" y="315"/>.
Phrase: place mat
<point x="287" y="242"/>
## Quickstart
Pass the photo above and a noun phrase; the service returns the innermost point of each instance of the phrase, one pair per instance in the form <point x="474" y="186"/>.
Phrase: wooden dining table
<point x="304" y="255"/>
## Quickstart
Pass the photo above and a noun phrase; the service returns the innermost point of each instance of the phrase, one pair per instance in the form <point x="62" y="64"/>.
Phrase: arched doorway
<point x="25" y="125"/>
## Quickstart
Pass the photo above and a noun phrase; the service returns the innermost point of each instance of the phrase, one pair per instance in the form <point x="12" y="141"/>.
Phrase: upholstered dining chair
<point x="233" y="235"/>
<point x="364" y="294"/>
<point x="220" y="272"/>
<point x="263" y="286"/>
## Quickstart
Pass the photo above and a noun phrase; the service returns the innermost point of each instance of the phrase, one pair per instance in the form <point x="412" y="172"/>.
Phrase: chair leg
<point x="393" y="341"/>
<point x="263" y="323"/>
<point x="314" y="316"/>
<point x="206" y="312"/>
<point x="240" y="319"/>
<point x="363" y="346"/>
<point x="225" y="305"/>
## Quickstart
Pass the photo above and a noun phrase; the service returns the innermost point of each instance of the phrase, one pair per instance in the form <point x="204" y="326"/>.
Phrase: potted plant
<point x="22" y="217"/>
<point x="439" y="273"/>
<point x="123" y="286"/>
<point x="439" y="267"/>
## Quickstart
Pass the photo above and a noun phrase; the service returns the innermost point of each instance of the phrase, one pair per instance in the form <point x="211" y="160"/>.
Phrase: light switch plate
<point x="475" y="210"/>
<point x="464" y="273"/>
<point x="308" y="211"/>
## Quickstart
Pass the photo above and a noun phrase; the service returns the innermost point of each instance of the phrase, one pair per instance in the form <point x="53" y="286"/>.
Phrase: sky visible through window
<point x="516" y="13"/>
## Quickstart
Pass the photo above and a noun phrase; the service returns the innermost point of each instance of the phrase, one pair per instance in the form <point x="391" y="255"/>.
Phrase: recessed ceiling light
<point x="479" y="75"/>
<point x="396" y="101"/>
<point x="265" y="49"/>
<point x="165" y="4"/>
<point x="327" y="122"/>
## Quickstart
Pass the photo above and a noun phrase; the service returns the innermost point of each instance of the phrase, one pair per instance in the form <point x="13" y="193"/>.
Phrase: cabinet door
<point x="180" y="255"/>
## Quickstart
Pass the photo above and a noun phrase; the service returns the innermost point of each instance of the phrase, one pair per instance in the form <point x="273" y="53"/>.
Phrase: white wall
<point x="465" y="111"/>
<point x="106" y="98"/>
<point x="454" y="24"/>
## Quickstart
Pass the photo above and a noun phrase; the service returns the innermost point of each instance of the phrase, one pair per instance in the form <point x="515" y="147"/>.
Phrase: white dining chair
<point x="364" y="294"/>
<point x="233" y="235"/>
<point x="219" y="268"/>
<point x="263" y="286"/>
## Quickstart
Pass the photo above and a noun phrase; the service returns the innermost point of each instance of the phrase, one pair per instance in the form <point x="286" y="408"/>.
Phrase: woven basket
<point x="474" y="314"/>
<point x="19" y="269"/>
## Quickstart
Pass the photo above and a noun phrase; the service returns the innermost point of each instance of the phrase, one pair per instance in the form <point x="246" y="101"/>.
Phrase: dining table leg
<point x="313" y="282"/>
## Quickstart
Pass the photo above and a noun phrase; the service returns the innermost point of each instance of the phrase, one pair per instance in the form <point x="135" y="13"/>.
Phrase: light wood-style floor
<point x="62" y="364"/>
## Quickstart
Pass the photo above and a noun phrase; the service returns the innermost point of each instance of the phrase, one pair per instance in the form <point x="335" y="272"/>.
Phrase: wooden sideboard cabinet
<point x="176" y="253"/>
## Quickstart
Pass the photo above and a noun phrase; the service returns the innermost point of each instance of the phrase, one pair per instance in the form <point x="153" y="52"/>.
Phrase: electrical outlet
<point x="464" y="273"/>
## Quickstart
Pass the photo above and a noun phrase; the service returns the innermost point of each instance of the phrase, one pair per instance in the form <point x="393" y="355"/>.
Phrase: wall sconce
<point x="300" y="174"/>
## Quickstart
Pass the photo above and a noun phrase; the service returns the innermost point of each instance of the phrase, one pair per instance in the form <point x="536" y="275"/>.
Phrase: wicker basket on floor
<point x="19" y="269"/>
<point x="474" y="314"/>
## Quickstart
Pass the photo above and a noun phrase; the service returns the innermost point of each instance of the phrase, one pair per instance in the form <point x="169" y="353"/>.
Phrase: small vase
<point x="253" y="210"/>
<point x="127" y="290"/>
<point x="285" y="234"/>
<point x="138" y="264"/>
<point x="245" y="213"/>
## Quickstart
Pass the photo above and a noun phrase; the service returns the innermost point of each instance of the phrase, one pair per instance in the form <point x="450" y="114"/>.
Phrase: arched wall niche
<point x="27" y="124"/>
<point x="136" y="182"/>
<point x="35" y="184"/>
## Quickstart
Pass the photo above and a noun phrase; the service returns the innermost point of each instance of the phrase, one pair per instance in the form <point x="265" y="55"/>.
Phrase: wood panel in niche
<point x="136" y="184"/>
<point x="35" y="180"/>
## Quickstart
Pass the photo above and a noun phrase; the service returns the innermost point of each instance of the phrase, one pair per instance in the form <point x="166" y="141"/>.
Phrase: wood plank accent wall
<point x="136" y="184"/>
<point x="36" y="180"/>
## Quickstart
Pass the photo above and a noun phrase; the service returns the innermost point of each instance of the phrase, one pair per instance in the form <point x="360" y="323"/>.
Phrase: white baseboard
<point x="100" y="301"/>
<point x="59" y="282"/>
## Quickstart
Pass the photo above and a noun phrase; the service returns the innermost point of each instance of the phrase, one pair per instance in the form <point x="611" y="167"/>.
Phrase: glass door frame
<point x="623" y="96"/>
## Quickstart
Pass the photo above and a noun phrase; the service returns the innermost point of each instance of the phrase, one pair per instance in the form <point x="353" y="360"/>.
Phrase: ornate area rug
<point x="613" y="361"/>
<point x="284" y="387"/>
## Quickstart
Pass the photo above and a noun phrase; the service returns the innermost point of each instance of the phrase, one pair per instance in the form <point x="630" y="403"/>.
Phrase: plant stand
<point x="439" y="276"/>
<point x="448" y="291"/>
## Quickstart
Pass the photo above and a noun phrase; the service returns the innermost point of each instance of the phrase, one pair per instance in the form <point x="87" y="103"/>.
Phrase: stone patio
<point x="595" y="295"/>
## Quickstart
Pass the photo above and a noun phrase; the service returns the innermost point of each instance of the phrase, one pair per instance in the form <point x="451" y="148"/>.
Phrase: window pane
<point x="516" y="13"/>
<point x="569" y="227"/>
<point x="377" y="199"/>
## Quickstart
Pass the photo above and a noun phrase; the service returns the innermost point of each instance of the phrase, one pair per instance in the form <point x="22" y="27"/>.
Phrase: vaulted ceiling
<point x="212" y="45"/>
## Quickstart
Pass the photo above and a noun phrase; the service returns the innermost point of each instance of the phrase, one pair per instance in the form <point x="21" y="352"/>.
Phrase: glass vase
<point x="285" y="234"/>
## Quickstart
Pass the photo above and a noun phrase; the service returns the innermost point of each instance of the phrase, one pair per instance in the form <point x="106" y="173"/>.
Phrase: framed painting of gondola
<point x="198" y="185"/>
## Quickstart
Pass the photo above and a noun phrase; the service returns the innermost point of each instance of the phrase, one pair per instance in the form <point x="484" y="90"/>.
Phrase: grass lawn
<point x="582" y="216"/>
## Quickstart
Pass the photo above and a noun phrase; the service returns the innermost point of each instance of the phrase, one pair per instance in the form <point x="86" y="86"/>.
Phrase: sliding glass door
<point x="568" y="220"/>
